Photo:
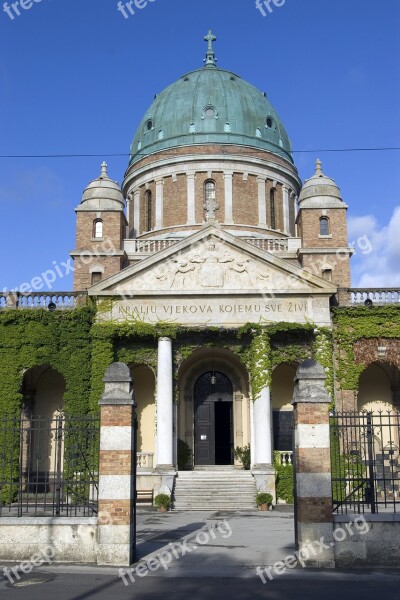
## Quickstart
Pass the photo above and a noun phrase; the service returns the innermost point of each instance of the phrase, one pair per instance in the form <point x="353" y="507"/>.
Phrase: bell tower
<point x="100" y="230"/>
<point x="322" y="225"/>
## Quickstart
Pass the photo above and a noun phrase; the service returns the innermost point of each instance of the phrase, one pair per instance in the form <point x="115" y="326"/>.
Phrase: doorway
<point x="213" y="419"/>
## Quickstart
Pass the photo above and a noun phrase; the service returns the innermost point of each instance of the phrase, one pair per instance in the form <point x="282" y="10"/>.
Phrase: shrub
<point x="243" y="454"/>
<point x="283" y="480"/>
<point x="184" y="455"/>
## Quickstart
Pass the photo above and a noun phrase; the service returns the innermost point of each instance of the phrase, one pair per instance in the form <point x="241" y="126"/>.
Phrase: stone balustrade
<point x="359" y="296"/>
<point x="151" y="246"/>
<point x="51" y="301"/>
<point x="285" y="457"/>
<point x="144" y="461"/>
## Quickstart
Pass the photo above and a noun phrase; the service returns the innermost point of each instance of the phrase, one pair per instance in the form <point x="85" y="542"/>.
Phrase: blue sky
<point x="76" y="78"/>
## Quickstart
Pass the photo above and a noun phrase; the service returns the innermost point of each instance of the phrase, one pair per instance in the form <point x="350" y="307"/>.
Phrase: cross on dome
<point x="318" y="168"/>
<point x="210" y="59"/>
<point x="104" y="169"/>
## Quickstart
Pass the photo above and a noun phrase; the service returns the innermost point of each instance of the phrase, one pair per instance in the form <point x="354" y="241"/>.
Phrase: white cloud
<point x="377" y="259"/>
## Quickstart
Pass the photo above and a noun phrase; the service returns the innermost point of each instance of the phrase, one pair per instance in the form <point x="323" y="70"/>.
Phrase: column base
<point x="264" y="475"/>
<point x="165" y="468"/>
<point x="168" y="475"/>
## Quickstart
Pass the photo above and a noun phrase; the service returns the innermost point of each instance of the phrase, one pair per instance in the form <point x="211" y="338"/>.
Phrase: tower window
<point x="272" y="208"/>
<point x="98" y="229"/>
<point x="324" y="226"/>
<point x="96" y="277"/>
<point x="148" y="213"/>
<point x="327" y="274"/>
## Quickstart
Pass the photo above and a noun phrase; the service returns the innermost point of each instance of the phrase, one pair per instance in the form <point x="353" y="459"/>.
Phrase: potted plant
<point x="163" y="502"/>
<point x="264" y="500"/>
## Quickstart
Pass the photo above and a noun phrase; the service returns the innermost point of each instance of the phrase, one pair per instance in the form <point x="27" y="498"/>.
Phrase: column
<point x="164" y="405"/>
<point x="286" y="226"/>
<point x="191" y="203"/>
<point x="228" y="179"/>
<point x="312" y="463"/>
<point x="263" y="469"/>
<point x="295" y="211"/>
<point x="238" y="418"/>
<point x="159" y="203"/>
<point x="116" y="469"/>
<point x="128" y="215"/>
<point x="262" y="202"/>
<point x="136" y="213"/>
<point x="262" y="429"/>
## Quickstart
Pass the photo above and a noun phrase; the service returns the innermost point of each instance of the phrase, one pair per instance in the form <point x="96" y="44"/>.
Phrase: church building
<point x="213" y="271"/>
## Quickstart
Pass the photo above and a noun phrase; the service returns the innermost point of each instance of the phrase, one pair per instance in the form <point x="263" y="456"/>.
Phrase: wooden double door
<point x="213" y="419"/>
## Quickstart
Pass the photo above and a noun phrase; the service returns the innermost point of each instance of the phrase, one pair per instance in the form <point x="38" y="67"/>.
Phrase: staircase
<point x="214" y="488"/>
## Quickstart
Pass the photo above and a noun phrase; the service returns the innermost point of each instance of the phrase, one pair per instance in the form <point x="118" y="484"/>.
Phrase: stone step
<point x="215" y="490"/>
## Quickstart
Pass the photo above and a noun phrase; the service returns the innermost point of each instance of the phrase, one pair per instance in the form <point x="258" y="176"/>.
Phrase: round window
<point x="209" y="112"/>
<point x="149" y="125"/>
<point x="270" y="122"/>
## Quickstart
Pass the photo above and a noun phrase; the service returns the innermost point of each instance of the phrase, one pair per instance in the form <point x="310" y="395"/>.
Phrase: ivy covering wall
<point x="60" y="339"/>
<point x="81" y="350"/>
<point x="350" y="325"/>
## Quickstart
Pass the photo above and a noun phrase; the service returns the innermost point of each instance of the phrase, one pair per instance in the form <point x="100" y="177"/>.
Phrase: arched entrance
<point x="213" y="419"/>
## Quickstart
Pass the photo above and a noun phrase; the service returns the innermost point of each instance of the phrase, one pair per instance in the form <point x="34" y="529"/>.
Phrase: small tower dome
<point x="320" y="191"/>
<point x="102" y="194"/>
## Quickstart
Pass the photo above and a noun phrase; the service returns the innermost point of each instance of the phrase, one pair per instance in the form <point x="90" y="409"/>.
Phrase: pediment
<point x="212" y="262"/>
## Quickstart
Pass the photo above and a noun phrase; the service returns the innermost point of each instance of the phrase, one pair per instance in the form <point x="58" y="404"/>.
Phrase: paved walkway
<point x="214" y="544"/>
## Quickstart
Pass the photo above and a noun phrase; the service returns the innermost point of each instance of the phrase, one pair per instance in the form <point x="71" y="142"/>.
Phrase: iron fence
<point x="365" y="462"/>
<point x="49" y="466"/>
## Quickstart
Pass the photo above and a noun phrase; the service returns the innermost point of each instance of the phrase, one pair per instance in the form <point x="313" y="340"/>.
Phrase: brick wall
<point x="175" y="201"/>
<point x="310" y="227"/>
<point x="245" y="199"/>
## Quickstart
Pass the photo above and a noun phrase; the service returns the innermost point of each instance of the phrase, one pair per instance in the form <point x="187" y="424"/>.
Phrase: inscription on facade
<point x="214" y="311"/>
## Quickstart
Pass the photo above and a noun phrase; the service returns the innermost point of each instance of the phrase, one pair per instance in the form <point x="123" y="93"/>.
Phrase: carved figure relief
<point x="207" y="267"/>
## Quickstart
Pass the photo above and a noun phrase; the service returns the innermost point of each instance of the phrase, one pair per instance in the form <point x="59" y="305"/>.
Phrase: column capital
<point x="117" y="386"/>
<point x="164" y="339"/>
<point x="310" y="384"/>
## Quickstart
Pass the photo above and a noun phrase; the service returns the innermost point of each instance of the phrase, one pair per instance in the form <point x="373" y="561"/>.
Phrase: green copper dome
<point x="210" y="105"/>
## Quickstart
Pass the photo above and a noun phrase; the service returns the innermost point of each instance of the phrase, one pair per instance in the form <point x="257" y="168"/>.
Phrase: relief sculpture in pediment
<point x="211" y="269"/>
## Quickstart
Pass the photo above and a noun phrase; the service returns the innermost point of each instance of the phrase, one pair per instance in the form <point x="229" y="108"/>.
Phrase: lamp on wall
<point x="213" y="376"/>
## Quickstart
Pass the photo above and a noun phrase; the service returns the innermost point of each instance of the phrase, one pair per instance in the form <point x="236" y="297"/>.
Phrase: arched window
<point x="272" y="208"/>
<point x="98" y="228"/>
<point x="324" y="226"/>
<point x="210" y="204"/>
<point x="209" y="190"/>
<point x="148" y="211"/>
